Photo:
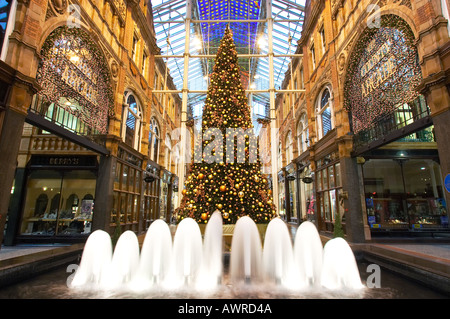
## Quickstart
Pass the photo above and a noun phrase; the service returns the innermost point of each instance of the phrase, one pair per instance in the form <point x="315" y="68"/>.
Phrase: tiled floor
<point x="435" y="250"/>
<point x="7" y="252"/>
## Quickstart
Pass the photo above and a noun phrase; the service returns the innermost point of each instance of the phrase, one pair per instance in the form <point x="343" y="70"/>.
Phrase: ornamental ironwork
<point x="74" y="77"/>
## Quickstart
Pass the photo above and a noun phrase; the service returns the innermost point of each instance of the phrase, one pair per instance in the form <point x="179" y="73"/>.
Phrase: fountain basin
<point x="188" y="260"/>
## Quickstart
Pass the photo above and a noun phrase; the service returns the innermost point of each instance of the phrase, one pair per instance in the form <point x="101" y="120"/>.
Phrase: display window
<point x="329" y="186"/>
<point x="404" y="194"/>
<point x="307" y="195"/>
<point x="127" y="189"/>
<point x="59" y="202"/>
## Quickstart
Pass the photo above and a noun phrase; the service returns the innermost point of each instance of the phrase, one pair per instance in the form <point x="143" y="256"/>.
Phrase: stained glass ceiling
<point x="251" y="37"/>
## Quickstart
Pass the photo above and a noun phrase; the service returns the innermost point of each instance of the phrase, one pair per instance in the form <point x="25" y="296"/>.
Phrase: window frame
<point x="136" y="143"/>
<point x="321" y="109"/>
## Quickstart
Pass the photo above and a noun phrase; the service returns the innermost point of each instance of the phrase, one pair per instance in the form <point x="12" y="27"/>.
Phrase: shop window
<point x="324" y="111"/>
<point x="307" y="196"/>
<point x="127" y="189"/>
<point x="404" y="194"/>
<point x="132" y="126"/>
<point x="41" y="205"/>
<point x="52" y="205"/>
<point x="329" y="186"/>
<point x="153" y="140"/>
<point x="151" y="197"/>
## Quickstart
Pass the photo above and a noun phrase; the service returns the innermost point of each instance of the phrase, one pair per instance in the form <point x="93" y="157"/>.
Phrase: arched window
<point x="324" y="113"/>
<point x="153" y="140"/>
<point x="289" y="148"/>
<point x="132" y="125"/>
<point x="302" y="134"/>
<point x="168" y="152"/>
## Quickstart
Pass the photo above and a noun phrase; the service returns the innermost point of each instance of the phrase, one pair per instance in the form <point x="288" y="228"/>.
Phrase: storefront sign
<point x="53" y="161"/>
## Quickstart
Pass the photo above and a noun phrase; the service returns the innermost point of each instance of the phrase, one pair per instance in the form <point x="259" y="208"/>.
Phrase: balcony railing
<point x="403" y="116"/>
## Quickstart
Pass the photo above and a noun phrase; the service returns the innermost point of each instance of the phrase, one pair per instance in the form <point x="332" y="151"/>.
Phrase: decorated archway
<point x="383" y="73"/>
<point x="76" y="90"/>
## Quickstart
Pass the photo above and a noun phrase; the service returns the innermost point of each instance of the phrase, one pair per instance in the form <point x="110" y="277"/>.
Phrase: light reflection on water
<point x="53" y="285"/>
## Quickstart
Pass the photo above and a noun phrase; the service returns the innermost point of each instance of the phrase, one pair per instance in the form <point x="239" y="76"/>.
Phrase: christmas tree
<point x="226" y="172"/>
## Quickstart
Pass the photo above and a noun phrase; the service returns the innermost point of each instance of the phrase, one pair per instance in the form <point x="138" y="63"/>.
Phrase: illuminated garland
<point x="383" y="72"/>
<point x="73" y="68"/>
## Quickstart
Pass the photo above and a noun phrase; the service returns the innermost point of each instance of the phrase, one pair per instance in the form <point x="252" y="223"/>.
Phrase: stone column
<point x="103" y="204"/>
<point x="11" y="133"/>
<point x="15" y="208"/>
<point x="352" y="200"/>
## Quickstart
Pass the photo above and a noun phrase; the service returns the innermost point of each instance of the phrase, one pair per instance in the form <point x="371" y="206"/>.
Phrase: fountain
<point x="278" y="258"/>
<point x="124" y="263"/>
<point x="156" y="257"/>
<point x="339" y="268"/>
<point x="187" y="254"/>
<point x="212" y="267"/>
<point x="96" y="258"/>
<point x="246" y="252"/>
<point x="308" y="255"/>
<point x="191" y="262"/>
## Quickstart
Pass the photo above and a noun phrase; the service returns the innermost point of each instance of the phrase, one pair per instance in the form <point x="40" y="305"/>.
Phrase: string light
<point x="383" y="72"/>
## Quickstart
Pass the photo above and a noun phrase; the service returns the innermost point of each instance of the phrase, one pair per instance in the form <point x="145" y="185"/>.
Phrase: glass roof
<point x="250" y="38"/>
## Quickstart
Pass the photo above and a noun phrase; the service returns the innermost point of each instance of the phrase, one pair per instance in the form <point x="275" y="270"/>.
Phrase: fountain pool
<point x="191" y="262"/>
<point x="279" y="268"/>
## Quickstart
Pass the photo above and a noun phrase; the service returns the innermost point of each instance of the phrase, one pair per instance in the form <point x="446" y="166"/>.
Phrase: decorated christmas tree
<point x="226" y="171"/>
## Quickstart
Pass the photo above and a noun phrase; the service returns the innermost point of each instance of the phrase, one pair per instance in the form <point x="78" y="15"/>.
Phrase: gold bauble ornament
<point x="204" y="216"/>
<point x="226" y="215"/>
<point x="200" y="176"/>
<point x="223" y="188"/>
<point x="241" y="194"/>
<point x="219" y="206"/>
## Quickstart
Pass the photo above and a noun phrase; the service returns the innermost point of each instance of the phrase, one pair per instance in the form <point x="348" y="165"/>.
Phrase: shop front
<point x="404" y="189"/>
<point x="306" y="192"/>
<point x="394" y="137"/>
<point x="58" y="198"/>
<point x="329" y="191"/>
<point x="152" y="189"/>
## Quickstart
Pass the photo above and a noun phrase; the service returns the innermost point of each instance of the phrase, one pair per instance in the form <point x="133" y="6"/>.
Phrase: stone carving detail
<point x="121" y="8"/>
<point x="59" y="6"/>
<point x="341" y="62"/>
<point x="114" y="69"/>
